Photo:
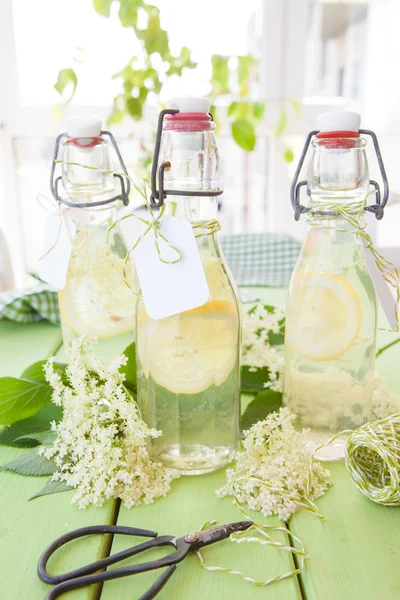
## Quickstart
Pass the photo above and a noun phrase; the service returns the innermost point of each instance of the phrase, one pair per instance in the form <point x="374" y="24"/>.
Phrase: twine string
<point x="54" y="208"/>
<point x="263" y="539"/>
<point x="153" y="224"/>
<point x="354" y="214"/>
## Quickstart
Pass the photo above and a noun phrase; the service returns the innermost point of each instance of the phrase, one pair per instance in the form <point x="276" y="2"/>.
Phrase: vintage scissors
<point x="95" y="573"/>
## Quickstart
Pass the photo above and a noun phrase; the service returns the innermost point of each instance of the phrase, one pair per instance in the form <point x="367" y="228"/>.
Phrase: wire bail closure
<point x="381" y="201"/>
<point x="125" y="187"/>
<point x="158" y="196"/>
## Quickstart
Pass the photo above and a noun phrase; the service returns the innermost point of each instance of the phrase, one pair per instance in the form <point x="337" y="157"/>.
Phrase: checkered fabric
<point x="261" y="259"/>
<point x="255" y="259"/>
<point x="30" y="305"/>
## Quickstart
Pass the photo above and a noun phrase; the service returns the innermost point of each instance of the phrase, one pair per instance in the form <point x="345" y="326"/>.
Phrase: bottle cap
<point x="190" y="105"/>
<point x="338" y="121"/>
<point x="83" y="127"/>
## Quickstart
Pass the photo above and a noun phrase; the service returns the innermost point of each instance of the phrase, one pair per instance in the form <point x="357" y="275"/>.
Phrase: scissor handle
<point x="96" y="566"/>
<point x="88" y="575"/>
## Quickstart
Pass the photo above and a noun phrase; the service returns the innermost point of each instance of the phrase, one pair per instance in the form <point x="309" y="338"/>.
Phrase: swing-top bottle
<point x="188" y="364"/>
<point x="332" y="306"/>
<point x="96" y="298"/>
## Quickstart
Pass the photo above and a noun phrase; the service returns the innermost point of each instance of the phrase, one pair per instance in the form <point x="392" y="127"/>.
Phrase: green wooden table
<point x="354" y="555"/>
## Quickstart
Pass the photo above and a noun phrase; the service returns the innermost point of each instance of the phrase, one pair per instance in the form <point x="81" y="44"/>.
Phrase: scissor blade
<point x="216" y="534"/>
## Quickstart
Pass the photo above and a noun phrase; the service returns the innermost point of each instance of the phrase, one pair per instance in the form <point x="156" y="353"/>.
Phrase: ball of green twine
<point x="372" y="458"/>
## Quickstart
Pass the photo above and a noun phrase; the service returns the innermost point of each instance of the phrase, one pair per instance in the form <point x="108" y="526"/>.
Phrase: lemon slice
<point x="324" y="316"/>
<point x="99" y="306"/>
<point x="189" y="352"/>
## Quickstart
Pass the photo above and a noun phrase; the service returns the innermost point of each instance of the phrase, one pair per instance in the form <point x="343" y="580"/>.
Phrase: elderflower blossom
<point x="101" y="444"/>
<point x="271" y="475"/>
<point x="257" y="352"/>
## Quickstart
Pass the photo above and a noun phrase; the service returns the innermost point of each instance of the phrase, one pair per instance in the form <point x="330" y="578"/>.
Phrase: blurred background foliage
<point x="143" y="77"/>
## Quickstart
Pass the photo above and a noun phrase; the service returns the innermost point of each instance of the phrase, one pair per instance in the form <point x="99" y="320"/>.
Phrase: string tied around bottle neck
<point x="53" y="207"/>
<point x="354" y="214"/>
<point x="152" y="224"/>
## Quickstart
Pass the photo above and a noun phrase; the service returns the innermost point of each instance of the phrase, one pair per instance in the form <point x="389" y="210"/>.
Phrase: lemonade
<point x="96" y="300"/>
<point x="189" y="378"/>
<point x="330" y="341"/>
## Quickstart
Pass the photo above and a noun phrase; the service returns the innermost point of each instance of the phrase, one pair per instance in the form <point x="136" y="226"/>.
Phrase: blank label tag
<point x="382" y="288"/>
<point x="56" y="253"/>
<point x="171" y="289"/>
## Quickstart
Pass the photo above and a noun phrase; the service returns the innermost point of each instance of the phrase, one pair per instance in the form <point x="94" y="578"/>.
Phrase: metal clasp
<point x="125" y="186"/>
<point x="158" y="195"/>
<point x="376" y="208"/>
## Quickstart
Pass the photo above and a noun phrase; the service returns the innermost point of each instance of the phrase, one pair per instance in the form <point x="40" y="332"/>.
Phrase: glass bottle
<point x="96" y="299"/>
<point x="332" y="307"/>
<point x="189" y="363"/>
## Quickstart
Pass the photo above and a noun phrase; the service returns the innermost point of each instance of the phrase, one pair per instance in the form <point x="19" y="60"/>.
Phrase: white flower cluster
<point x="101" y="444"/>
<point x="271" y="475"/>
<point x="257" y="352"/>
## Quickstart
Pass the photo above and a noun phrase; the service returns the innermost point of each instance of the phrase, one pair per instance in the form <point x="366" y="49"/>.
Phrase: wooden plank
<point x="191" y="503"/>
<point x="26" y="528"/>
<point x="355" y="554"/>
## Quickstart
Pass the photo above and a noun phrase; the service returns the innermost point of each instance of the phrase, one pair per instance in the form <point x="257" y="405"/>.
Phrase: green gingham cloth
<point x="261" y="259"/>
<point x="255" y="259"/>
<point x="30" y="305"/>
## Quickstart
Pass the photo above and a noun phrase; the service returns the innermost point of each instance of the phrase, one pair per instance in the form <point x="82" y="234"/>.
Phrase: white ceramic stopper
<point x="83" y="127"/>
<point x="338" y="121"/>
<point x="190" y="105"/>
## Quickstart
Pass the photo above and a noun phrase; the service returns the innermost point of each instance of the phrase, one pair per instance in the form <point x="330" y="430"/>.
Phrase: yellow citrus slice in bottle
<point x="98" y="304"/>
<point x="324" y="316"/>
<point x="189" y="352"/>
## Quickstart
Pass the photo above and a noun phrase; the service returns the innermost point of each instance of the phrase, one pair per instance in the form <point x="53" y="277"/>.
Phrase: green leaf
<point x="21" y="398"/>
<point x="30" y="464"/>
<point x="263" y="404"/>
<point x="135" y="108"/>
<point x="288" y="155"/>
<point x="220" y="74"/>
<point x="296" y="106"/>
<point x="245" y="64"/>
<point x="102" y="7"/>
<point x="258" y="110"/>
<point x="129" y="370"/>
<point x="154" y="38"/>
<point x="24" y="433"/>
<point x="42" y="438"/>
<point x="66" y="78"/>
<point x="128" y="13"/>
<point x="35" y="372"/>
<point x="253" y="381"/>
<point x="244" y="135"/>
<point x="281" y="123"/>
<point x="52" y="487"/>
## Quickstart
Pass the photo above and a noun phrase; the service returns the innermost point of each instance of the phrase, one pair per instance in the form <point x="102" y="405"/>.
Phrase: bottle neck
<point x="90" y="218"/>
<point x="193" y="209"/>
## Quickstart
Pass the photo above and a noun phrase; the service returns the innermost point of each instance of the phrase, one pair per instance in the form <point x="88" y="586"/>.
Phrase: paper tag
<point x="56" y="253"/>
<point x="169" y="289"/>
<point x="382" y="288"/>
